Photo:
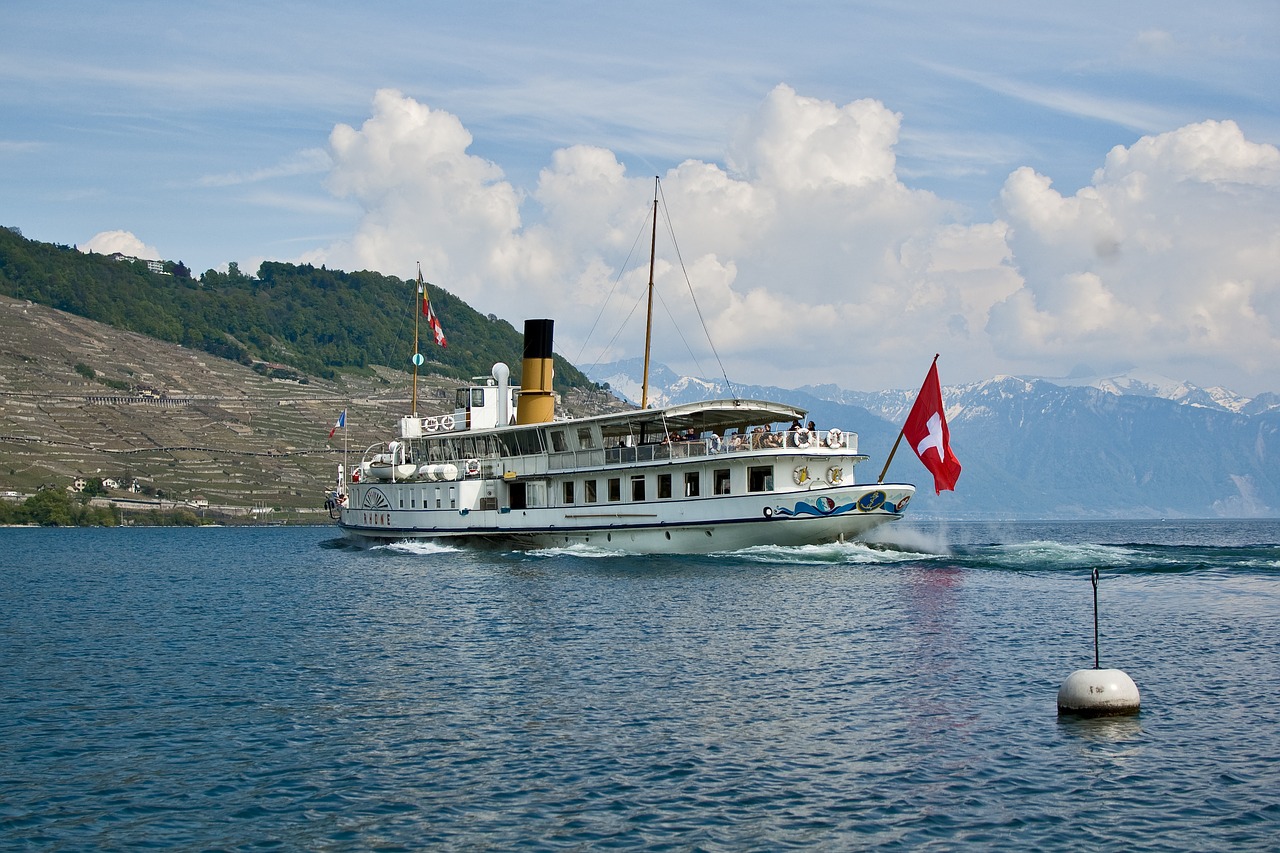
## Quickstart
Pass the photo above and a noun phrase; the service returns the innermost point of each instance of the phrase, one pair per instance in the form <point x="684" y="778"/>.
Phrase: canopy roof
<point x="711" y="415"/>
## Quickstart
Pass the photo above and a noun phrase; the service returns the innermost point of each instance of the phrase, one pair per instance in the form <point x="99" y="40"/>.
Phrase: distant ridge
<point x="1125" y="446"/>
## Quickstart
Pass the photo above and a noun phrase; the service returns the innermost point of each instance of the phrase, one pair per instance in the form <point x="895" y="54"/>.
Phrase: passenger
<point x="795" y="425"/>
<point x="812" y="428"/>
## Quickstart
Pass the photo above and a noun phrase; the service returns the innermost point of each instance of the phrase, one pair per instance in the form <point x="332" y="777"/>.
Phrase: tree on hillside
<point x="315" y="320"/>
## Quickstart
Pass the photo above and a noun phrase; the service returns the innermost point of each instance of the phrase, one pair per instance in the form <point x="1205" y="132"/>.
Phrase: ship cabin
<point x="705" y="449"/>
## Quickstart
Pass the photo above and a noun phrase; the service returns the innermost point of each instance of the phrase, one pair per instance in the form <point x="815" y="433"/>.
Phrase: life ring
<point x="835" y="438"/>
<point x="801" y="475"/>
<point x="446" y="422"/>
<point x="803" y="438"/>
<point x="835" y="474"/>
<point x="431" y="424"/>
<point x="473" y="467"/>
<point x="714" y="443"/>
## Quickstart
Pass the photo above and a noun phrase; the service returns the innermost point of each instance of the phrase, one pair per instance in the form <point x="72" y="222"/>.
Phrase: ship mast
<point x="648" y="323"/>
<point x="417" y="356"/>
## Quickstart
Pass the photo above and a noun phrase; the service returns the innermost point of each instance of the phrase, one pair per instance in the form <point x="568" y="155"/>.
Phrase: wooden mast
<point x="648" y="323"/>
<point x="417" y="357"/>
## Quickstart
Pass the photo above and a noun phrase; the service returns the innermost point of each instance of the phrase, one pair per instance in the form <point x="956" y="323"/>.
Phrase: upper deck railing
<point x="830" y="441"/>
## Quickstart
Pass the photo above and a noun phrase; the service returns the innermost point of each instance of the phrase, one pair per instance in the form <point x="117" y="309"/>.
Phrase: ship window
<point x="477" y="398"/>
<point x="637" y="488"/>
<point x="530" y="441"/>
<point x="760" y="478"/>
<point x="460" y="402"/>
<point x="586" y="440"/>
<point x="558" y="442"/>
<point x="615" y="488"/>
<point x="691" y="484"/>
<point x="525" y="442"/>
<point x="664" y="485"/>
<point x="568" y="491"/>
<point x="590" y="488"/>
<point x="721" y="480"/>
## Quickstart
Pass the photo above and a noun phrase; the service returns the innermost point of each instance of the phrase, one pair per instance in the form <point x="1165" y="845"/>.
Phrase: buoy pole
<point x="1098" y="692"/>
<point x="1096" y="665"/>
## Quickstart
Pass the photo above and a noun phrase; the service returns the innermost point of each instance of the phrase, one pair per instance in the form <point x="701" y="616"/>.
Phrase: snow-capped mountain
<point x="1123" y="446"/>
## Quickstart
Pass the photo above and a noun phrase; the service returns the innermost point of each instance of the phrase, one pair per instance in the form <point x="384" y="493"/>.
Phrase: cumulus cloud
<point x="423" y="197"/>
<point x="810" y="261"/>
<point x="1171" y="256"/>
<point x="124" y="242"/>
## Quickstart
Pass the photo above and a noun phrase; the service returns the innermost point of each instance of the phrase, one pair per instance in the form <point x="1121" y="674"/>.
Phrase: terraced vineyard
<point x="81" y="399"/>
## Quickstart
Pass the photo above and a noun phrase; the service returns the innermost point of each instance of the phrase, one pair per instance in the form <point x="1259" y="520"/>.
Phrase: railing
<point x="755" y="442"/>
<point x="793" y="439"/>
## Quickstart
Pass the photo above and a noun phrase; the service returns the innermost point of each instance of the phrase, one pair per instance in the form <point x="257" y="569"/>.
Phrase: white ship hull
<point x="786" y="519"/>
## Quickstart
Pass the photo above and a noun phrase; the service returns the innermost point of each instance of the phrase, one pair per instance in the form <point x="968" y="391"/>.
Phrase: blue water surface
<point x="272" y="687"/>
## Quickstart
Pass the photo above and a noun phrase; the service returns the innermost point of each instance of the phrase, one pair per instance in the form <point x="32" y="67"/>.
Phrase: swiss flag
<point x="926" y="429"/>
<point x="433" y="321"/>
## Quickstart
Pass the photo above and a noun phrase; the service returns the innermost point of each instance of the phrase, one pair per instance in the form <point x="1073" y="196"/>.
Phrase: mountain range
<point x="1128" y="446"/>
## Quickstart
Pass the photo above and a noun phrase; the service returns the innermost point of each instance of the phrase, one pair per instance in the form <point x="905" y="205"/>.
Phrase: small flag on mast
<point x="926" y="430"/>
<point x="428" y="312"/>
<point x="341" y="423"/>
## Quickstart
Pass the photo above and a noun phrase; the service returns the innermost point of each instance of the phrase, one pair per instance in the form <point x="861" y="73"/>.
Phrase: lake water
<point x="270" y="687"/>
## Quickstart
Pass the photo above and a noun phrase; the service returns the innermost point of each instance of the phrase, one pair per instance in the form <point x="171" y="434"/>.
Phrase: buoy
<point x="1098" y="692"/>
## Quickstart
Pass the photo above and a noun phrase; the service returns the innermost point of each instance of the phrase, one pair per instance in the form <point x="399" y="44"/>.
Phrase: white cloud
<point x="1171" y="256"/>
<point x="1083" y="102"/>
<point x="124" y="242"/>
<point x="811" y="261"/>
<point x="424" y="198"/>
<point x="800" y="143"/>
<point x="311" y="160"/>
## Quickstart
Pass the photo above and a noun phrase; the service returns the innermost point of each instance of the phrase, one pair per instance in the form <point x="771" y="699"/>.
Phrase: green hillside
<point x="314" y="320"/>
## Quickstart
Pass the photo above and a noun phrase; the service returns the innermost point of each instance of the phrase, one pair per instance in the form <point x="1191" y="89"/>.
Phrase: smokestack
<point x="536" y="404"/>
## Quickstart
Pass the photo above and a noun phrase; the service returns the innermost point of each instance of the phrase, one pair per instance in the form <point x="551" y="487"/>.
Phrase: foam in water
<point x="417" y="546"/>
<point x="912" y="539"/>
<point x="1058" y="555"/>
<point x="580" y="549"/>
<point x="829" y="553"/>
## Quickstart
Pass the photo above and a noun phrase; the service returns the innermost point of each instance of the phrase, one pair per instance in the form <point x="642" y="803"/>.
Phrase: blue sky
<point x="1026" y="190"/>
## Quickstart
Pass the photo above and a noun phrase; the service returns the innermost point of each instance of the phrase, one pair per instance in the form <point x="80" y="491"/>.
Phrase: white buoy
<point x="1098" y="692"/>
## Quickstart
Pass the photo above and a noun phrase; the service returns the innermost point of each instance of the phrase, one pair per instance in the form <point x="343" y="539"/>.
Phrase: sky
<point x="848" y="188"/>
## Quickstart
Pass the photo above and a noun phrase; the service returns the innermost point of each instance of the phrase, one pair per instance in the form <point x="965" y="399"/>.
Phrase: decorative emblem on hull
<point x="871" y="501"/>
<point x="825" y="506"/>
